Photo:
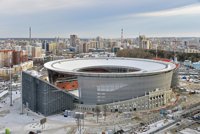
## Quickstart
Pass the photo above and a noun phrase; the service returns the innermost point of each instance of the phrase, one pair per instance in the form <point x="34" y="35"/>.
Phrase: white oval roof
<point x="144" y="65"/>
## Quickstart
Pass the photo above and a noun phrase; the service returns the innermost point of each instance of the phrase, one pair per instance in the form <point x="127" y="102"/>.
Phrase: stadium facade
<point x="44" y="98"/>
<point x="107" y="80"/>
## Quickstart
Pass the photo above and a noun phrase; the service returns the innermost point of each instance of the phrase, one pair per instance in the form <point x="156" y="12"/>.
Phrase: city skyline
<point x="91" y="18"/>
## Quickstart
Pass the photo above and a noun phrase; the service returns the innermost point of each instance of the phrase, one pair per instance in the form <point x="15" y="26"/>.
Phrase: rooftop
<point x="109" y="65"/>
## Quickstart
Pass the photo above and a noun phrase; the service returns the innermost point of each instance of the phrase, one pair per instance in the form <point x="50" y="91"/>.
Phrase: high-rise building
<point x="6" y="58"/>
<point x="24" y="56"/>
<point x="93" y="44"/>
<point x="186" y="44"/>
<point x="29" y="48"/>
<point x="37" y="52"/>
<point x="144" y="43"/>
<point x="52" y="47"/>
<point x="17" y="57"/>
<point x="100" y="43"/>
<point x="74" y="40"/>
<point x="45" y="46"/>
<point x="83" y="47"/>
<point x="1" y="59"/>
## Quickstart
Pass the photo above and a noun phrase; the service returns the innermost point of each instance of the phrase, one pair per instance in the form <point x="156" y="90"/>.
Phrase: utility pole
<point x="79" y="125"/>
<point x="114" y="123"/>
<point x="21" y="89"/>
<point x="10" y="83"/>
<point x="78" y="119"/>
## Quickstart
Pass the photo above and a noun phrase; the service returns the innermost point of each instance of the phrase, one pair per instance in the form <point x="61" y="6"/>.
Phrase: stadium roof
<point x="82" y="65"/>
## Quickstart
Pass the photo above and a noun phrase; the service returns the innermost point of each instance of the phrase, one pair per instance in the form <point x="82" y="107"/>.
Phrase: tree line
<point x="149" y="54"/>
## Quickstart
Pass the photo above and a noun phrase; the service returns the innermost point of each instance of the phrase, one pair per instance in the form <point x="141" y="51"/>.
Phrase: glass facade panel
<point x="100" y="90"/>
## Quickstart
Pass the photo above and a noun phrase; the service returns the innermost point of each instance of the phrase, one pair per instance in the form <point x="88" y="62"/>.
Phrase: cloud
<point x="94" y="17"/>
<point x="32" y="6"/>
<point x="13" y="7"/>
<point x="186" y="10"/>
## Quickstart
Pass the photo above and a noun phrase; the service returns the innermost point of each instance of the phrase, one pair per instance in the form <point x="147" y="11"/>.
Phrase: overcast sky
<point x="106" y="18"/>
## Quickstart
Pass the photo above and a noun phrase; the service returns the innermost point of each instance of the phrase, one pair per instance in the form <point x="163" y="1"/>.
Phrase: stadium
<point x="107" y="80"/>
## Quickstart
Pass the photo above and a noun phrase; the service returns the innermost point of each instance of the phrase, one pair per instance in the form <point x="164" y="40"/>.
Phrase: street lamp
<point x="21" y="89"/>
<point x="79" y="118"/>
<point x="10" y="71"/>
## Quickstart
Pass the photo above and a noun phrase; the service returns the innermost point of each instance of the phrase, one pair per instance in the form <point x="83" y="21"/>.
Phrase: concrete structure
<point x="29" y="50"/>
<point x="53" y="48"/>
<point x="4" y="72"/>
<point x="175" y="72"/>
<point x="112" y="43"/>
<point x="19" y="57"/>
<point x="36" y="52"/>
<point x="144" y="43"/>
<point x="6" y="58"/>
<point x="11" y="57"/>
<point x="150" y="100"/>
<point x="43" y="97"/>
<point x="96" y="54"/>
<point x="74" y="40"/>
<point x="100" y="43"/>
<point x="108" y="80"/>
<point x="45" y="46"/>
<point x="91" y="45"/>
<point x="190" y="50"/>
